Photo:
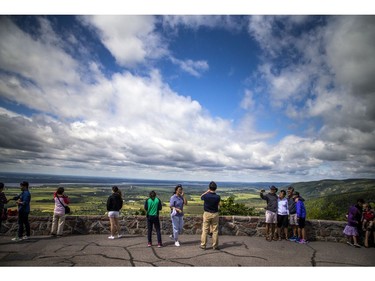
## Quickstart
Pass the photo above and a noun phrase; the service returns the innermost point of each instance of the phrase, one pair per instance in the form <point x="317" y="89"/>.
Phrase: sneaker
<point x="177" y="244"/>
<point x="202" y="247"/>
<point x="119" y="236"/>
<point x="357" y="245"/>
<point x="25" y="237"/>
<point x="349" y="243"/>
<point x="293" y="239"/>
<point x="111" y="237"/>
<point x="171" y="236"/>
<point x="149" y="244"/>
<point x="160" y="245"/>
<point x="297" y="240"/>
<point x="302" y="241"/>
<point x="16" y="239"/>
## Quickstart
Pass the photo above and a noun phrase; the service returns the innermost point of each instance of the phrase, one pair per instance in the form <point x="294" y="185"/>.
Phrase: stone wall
<point x="317" y="230"/>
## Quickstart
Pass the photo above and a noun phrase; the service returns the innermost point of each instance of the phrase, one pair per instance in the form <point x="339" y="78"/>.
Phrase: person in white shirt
<point x="282" y="214"/>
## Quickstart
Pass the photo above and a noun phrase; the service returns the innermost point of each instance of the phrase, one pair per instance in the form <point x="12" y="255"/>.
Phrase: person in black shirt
<point x="210" y="216"/>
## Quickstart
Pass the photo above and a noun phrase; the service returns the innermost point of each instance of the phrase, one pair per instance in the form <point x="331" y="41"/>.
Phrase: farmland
<point x="326" y="199"/>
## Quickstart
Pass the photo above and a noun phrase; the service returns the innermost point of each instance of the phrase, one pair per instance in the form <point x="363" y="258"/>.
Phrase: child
<point x="153" y="206"/>
<point x="354" y="219"/>
<point x="282" y="214"/>
<point x="301" y="218"/>
<point x="367" y="222"/>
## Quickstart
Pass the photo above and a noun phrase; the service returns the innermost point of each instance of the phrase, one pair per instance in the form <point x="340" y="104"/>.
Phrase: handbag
<point x="67" y="209"/>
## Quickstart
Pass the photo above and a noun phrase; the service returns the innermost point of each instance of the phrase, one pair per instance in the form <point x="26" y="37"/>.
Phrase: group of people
<point x="287" y="209"/>
<point x="361" y="224"/>
<point x="23" y="203"/>
<point x="177" y="202"/>
<point x="284" y="210"/>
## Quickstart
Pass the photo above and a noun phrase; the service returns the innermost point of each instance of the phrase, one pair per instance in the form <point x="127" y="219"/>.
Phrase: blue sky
<point x="229" y="98"/>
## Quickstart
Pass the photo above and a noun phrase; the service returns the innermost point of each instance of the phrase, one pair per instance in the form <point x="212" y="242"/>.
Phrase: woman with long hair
<point x="176" y="204"/>
<point x="114" y="205"/>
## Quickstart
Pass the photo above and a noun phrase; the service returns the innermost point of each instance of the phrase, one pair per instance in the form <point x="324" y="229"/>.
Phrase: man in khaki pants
<point x="210" y="216"/>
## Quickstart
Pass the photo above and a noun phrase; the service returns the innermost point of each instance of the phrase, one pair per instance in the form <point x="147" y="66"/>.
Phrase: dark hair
<point x="360" y="200"/>
<point x="116" y="190"/>
<point x="296" y="193"/>
<point x="177" y="187"/>
<point x="1" y="185"/>
<point x="283" y="192"/>
<point x="60" y="190"/>
<point x="291" y="188"/>
<point x="152" y="194"/>
<point x="25" y="184"/>
<point x="212" y="186"/>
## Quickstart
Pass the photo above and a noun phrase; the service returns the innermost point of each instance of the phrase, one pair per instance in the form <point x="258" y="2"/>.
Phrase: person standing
<point x="152" y="206"/>
<point x="23" y="202"/>
<point x="354" y="221"/>
<point x="271" y="211"/>
<point x="58" y="221"/>
<point x="176" y="203"/>
<point x="292" y="214"/>
<point x="210" y="216"/>
<point x="114" y="205"/>
<point x="301" y="218"/>
<point x="3" y="201"/>
<point x="282" y="214"/>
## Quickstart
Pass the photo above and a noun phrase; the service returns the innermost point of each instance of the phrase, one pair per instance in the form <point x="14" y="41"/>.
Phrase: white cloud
<point x="136" y="125"/>
<point x="247" y="100"/>
<point x="130" y="39"/>
<point x="195" y="68"/>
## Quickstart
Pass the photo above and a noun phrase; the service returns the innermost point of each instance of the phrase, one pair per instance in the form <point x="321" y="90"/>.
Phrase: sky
<point x="188" y="97"/>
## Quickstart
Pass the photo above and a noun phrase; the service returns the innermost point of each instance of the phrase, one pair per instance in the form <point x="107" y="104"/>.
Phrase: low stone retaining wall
<point x="317" y="230"/>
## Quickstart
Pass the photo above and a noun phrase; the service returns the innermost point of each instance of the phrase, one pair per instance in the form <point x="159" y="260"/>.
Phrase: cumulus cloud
<point x="332" y="80"/>
<point x="130" y="39"/>
<point x="133" y="124"/>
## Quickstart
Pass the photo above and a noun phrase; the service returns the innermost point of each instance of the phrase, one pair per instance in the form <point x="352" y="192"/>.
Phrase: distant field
<point x="89" y="200"/>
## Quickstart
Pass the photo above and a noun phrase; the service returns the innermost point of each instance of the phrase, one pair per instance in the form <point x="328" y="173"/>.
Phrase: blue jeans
<point x="178" y="224"/>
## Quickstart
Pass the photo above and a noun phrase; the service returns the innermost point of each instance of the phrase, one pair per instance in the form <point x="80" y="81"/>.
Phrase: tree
<point x="228" y="207"/>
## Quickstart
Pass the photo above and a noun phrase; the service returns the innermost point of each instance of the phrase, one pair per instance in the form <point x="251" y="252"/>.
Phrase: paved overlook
<point x="132" y="251"/>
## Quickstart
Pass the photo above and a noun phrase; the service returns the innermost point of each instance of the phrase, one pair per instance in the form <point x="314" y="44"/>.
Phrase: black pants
<point x="153" y="220"/>
<point x="23" y="219"/>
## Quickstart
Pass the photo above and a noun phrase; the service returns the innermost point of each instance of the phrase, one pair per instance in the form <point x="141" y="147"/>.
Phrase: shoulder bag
<point x="67" y="209"/>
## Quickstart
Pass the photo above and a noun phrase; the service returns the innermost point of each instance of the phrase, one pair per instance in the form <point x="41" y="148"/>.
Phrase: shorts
<point x="293" y="219"/>
<point x="271" y="217"/>
<point x="113" y="214"/>
<point x="301" y="222"/>
<point x="282" y="220"/>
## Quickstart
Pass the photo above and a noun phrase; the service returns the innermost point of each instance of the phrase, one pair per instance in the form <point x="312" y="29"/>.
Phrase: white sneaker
<point x="119" y="236"/>
<point x="111" y="237"/>
<point x="16" y="239"/>
<point x="25" y="237"/>
<point x="177" y="244"/>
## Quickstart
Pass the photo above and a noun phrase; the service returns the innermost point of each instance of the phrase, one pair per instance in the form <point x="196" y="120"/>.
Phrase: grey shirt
<point x="271" y="201"/>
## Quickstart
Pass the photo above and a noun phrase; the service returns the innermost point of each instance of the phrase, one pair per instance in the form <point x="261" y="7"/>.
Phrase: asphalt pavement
<point x="132" y="251"/>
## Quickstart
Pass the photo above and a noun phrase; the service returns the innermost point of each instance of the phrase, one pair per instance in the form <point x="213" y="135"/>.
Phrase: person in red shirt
<point x="368" y="222"/>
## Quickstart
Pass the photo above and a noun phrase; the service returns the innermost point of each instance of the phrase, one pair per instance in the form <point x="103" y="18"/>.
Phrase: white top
<point x="59" y="208"/>
<point x="282" y="206"/>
